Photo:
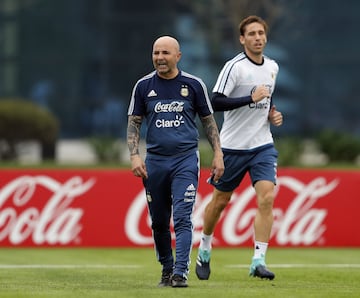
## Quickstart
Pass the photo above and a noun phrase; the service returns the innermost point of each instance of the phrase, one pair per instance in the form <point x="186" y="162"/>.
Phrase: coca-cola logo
<point x="175" y="106"/>
<point x="301" y="223"/>
<point x="54" y="223"/>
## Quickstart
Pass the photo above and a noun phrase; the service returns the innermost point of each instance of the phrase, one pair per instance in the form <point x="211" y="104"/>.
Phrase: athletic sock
<point x="260" y="249"/>
<point x="205" y="242"/>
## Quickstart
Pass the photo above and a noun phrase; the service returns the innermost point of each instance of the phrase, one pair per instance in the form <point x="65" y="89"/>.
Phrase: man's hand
<point x="275" y="117"/>
<point x="138" y="166"/>
<point x="260" y="92"/>
<point x="217" y="167"/>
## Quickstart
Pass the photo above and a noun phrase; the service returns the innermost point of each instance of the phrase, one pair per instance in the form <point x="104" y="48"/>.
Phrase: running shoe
<point x="258" y="269"/>
<point x="203" y="264"/>
<point x="165" y="280"/>
<point x="178" y="281"/>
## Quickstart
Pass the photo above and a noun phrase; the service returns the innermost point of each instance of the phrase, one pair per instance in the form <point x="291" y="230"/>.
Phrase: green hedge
<point x="339" y="146"/>
<point x="22" y="120"/>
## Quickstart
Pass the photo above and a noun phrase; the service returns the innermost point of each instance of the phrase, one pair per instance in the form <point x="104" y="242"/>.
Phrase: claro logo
<point x="300" y="224"/>
<point x="173" y="107"/>
<point x="170" y="123"/>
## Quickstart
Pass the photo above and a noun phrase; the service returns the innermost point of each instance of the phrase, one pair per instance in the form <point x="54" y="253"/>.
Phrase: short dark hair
<point x="249" y="20"/>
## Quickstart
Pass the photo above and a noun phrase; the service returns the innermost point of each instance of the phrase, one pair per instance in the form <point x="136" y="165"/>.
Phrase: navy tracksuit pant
<point x="171" y="190"/>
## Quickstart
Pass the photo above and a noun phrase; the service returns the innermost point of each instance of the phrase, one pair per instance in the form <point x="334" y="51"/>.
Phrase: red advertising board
<point x="107" y="208"/>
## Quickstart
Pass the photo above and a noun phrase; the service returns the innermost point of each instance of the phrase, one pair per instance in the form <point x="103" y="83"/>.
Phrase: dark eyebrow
<point x="257" y="31"/>
<point x="164" y="52"/>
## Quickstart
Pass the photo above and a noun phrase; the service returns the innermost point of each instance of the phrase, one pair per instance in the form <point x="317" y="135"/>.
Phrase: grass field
<point x="79" y="272"/>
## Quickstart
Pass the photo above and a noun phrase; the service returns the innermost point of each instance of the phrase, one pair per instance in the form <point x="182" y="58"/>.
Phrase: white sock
<point x="205" y="242"/>
<point x="260" y="249"/>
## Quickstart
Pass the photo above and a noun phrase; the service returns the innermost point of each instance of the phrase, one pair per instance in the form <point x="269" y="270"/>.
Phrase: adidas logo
<point x="191" y="187"/>
<point x="152" y="93"/>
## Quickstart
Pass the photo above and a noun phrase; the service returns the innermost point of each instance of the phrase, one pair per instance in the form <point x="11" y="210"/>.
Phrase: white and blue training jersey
<point x="170" y="107"/>
<point x="247" y="127"/>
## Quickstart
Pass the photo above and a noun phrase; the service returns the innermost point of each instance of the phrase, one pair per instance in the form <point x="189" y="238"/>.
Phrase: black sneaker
<point x="258" y="269"/>
<point x="165" y="280"/>
<point x="202" y="268"/>
<point x="262" y="272"/>
<point x="178" y="281"/>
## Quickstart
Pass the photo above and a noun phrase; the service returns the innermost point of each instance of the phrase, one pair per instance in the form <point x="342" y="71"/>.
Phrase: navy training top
<point x="170" y="107"/>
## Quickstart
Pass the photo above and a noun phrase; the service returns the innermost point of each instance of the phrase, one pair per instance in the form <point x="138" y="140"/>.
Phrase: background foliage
<point x="80" y="59"/>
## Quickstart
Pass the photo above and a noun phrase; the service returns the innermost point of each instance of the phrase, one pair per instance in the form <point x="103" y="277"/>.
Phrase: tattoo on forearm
<point x="211" y="131"/>
<point x="133" y="134"/>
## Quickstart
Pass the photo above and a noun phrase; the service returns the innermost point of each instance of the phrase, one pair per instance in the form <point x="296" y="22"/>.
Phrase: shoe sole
<point x="163" y="285"/>
<point x="202" y="277"/>
<point x="264" y="277"/>
<point x="178" y="285"/>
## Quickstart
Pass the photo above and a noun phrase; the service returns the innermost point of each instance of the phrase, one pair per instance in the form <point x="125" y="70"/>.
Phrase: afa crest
<point x="184" y="91"/>
<point x="148" y="197"/>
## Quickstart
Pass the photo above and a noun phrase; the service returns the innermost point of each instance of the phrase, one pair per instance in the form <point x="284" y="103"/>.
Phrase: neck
<point x="168" y="75"/>
<point x="257" y="58"/>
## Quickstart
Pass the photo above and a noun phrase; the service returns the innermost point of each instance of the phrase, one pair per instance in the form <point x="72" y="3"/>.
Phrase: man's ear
<point x="241" y="39"/>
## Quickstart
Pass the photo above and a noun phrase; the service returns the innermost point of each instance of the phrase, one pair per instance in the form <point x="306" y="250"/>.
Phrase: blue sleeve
<point x="203" y="103"/>
<point x="137" y="103"/>
<point x="221" y="102"/>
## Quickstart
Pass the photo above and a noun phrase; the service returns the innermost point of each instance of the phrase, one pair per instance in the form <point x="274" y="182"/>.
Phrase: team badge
<point x="148" y="197"/>
<point x="184" y="91"/>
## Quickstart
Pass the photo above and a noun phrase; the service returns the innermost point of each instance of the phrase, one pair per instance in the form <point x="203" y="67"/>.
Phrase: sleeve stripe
<point x="203" y="86"/>
<point x="132" y="99"/>
<point x="225" y="73"/>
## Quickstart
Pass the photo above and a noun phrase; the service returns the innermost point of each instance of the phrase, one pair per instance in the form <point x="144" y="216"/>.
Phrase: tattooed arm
<point x="212" y="134"/>
<point x="133" y="140"/>
<point x="133" y="134"/>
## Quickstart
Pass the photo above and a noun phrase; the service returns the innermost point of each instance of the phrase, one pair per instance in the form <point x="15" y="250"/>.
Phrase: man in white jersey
<point x="243" y="91"/>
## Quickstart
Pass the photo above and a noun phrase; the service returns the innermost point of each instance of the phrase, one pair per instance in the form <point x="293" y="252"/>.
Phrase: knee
<point x="219" y="202"/>
<point x="182" y="223"/>
<point x="160" y="227"/>
<point x="265" y="202"/>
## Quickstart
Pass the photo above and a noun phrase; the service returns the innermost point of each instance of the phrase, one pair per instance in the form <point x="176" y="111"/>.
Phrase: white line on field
<point x="55" y="266"/>
<point x="302" y="266"/>
<point x="104" y="266"/>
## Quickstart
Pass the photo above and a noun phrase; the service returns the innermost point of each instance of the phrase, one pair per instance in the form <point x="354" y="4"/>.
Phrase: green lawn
<point x="66" y="272"/>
